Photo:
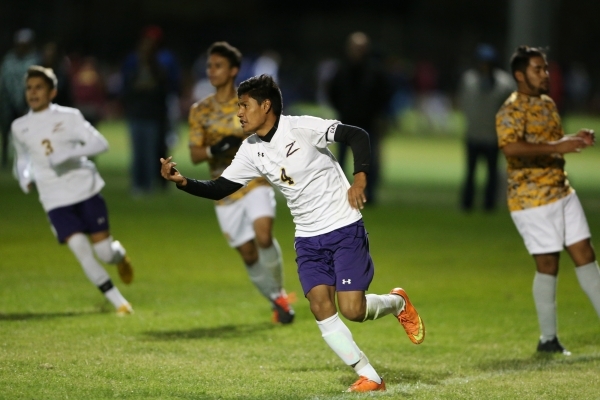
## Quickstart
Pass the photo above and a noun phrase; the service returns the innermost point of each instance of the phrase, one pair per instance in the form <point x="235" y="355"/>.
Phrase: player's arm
<point x="90" y="143"/>
<point x="23" y="165"/>
<point x="202" y="153"/>
<point x="521" y="148"/>
<point x="209" y="189"/>
<point x="358" y="140"/>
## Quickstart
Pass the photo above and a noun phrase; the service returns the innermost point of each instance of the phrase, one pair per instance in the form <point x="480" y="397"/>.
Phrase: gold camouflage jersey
<point x="210" y="121"/>
<point x="532" y="181"/>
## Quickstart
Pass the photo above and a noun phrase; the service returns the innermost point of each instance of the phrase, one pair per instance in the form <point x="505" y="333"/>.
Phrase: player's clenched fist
<point x="170" y="173"/>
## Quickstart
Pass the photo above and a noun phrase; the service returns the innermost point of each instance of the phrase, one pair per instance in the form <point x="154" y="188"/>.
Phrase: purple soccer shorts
<point x="88" y="216"/>
<point x="339" y="258"/>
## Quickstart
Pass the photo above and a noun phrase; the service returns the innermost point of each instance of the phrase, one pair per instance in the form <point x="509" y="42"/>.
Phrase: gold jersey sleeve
<point x="209" y="122"/>
<point x="532" y="181"/>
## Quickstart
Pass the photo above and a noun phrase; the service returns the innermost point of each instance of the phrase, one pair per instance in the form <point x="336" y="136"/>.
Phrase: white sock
<point x="262" y="278"/>
<point x="272" y="260"/>
<point x="110" y="251"/>
<point x="81" y="247"/>
<point x="379" y="305"/>
<point x="115" y="297"/>
<point x="339" y="338"/>
<point x="544" y="296"/>
<point x="589" y="279"/>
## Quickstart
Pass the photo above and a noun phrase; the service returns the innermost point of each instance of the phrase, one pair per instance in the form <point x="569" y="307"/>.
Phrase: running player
<point x="52" y="144"/>
<point x="331" y="241"/>
<point x="246" y="216"/>
<point x="542" y="203"/>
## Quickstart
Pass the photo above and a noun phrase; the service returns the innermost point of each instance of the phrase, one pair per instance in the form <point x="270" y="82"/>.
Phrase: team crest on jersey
<point x="58" y="127"/>
<point x="291" y="149"/>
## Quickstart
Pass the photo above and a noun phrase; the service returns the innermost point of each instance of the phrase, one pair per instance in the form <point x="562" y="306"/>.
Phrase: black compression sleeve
<point x="213" y="189"/>
<point x="358" y="140"/>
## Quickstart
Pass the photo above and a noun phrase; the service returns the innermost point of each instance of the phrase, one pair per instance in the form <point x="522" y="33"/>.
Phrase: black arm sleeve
<point x="213" y="189"/>
<point x="358" y="140"/>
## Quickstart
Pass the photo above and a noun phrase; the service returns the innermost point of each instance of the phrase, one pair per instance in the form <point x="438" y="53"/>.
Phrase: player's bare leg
<point x="587" y="270"/>
<point x="82" y="249"/>
<point x="544" y="295"/>
<point x="339" y="338"/>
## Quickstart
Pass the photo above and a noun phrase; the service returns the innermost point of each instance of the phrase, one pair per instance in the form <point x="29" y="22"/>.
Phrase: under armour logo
<point x="261" y="154"/>
<point x="101" y="220"/>
<point x="346" y="281"/>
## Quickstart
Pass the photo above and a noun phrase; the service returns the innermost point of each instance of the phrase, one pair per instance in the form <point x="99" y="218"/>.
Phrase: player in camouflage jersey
<point x="246" y="216"/>
<point x="543" y="205"/>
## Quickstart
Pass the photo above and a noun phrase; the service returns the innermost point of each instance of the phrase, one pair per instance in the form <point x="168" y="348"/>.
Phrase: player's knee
<point x="353" y="312"/>
<point x="264" y="240"/>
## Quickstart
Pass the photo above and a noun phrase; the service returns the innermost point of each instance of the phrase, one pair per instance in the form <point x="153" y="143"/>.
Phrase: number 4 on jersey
<point x="285" y="178"/>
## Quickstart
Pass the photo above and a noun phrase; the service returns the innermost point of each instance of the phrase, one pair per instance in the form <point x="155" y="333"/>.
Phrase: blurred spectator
<point x="481" y="92"/>
<point x="89" y="90"/>
<point x="267" y="63"/>
<point x="53" y="57"/>
<point x="430" y="100"/>
<point x="12" y="84"/>
<point x="557" y="90"/>
<point x="360" y="93"/>
<point x="145" y="90"/>
<point x="577" y="87"/>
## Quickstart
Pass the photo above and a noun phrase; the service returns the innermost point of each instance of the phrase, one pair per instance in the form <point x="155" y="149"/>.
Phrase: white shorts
<point x="236" y="219"/>
<point x="551" y="228"/>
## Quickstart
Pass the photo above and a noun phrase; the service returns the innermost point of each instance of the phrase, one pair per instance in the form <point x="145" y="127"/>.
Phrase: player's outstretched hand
<point x="587" y="135"/>
<point x="356" y="193"/>
<point x="170" y="173"/>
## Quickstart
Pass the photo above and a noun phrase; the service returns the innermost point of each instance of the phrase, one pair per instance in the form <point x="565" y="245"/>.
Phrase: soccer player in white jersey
<point x="52" y="144"/>
<point x="331" y="241"/>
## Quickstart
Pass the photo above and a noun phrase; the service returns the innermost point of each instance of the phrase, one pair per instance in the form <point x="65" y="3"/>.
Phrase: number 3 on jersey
<point x="46" y="143"/>
<point x="285" y="178"/>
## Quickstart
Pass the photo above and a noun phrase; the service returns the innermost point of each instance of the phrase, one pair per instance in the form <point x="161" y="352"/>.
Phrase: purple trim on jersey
<point x="88" y="216"/>
<point x="339" y="258"/>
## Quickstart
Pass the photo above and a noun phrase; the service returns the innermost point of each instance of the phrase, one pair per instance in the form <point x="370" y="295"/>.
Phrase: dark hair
<point x="224" y="49"/>
<point x="47" y="74"/>
<point x="520" y="58"/>
<point x="262" y="88"/>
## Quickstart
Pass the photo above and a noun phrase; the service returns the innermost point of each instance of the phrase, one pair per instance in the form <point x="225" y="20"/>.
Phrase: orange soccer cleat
<point x="282" y="310"/>
<point x="409" y="318"/>
<point x="364" y="384"/>
<point x="125" y="270"/>
<point x="124" y="309"/>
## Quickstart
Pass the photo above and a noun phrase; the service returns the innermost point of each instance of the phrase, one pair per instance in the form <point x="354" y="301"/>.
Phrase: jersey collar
<point x="269" y="136"/>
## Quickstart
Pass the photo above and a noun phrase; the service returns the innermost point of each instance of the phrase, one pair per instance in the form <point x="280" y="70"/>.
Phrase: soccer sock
<point x="544" y="296"/>
<point x="263" y="279"/>
<point x="80" y="246"/>
<point x="379" y="305"/>
<point x="589" y="279"/>
<point x="337" y="335"/>
<point x="112" y="294"/>
<point x="273" y="261"/>
<point x="110" y="251"/>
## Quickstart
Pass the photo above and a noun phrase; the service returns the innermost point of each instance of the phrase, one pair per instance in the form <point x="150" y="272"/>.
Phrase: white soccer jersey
<point x="40" y="136"/>
<point x="298" y="163"/>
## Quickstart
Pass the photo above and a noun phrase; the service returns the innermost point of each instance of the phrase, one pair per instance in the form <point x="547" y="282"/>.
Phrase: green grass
<point x="201" y="331"/>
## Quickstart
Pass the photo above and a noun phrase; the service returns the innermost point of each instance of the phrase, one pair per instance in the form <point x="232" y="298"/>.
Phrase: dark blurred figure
<point x="89" y="90"/>
<point x="150" y="79"/>
<point x="53" y="57"/>
<point x="482" y="91"/>
<point x="12" y="84"/>
<point x="360" y="93"/>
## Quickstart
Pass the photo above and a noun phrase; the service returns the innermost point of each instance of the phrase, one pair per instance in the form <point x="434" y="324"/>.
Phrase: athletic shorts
<point x="88" y="216"/>
<point x="339" y="258"/>
<point x="236" y="219"/>
<point x="552" y="227"/>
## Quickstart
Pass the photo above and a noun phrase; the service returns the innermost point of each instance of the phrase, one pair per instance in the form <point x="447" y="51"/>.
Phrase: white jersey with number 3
<point x="36" y="136"/>
<point x="298" y="163"/>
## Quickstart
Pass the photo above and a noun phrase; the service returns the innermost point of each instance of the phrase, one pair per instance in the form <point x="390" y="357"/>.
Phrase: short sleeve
<point x="320" y="131"/>
<point x="510" y="125"/>
<point x="197" y="134"/>
<point x="242" y="169"/>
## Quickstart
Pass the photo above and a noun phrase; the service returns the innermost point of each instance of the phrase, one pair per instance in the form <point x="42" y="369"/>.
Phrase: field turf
<point x="201" y="331"/>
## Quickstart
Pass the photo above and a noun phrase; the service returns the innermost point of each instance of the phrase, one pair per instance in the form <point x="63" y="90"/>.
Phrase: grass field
<point x="201" y="331"/>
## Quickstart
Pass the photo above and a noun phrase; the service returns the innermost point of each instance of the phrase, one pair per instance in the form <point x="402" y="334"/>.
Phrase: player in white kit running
<point x="52" y="146"/>
<point x="331" y="241"/>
